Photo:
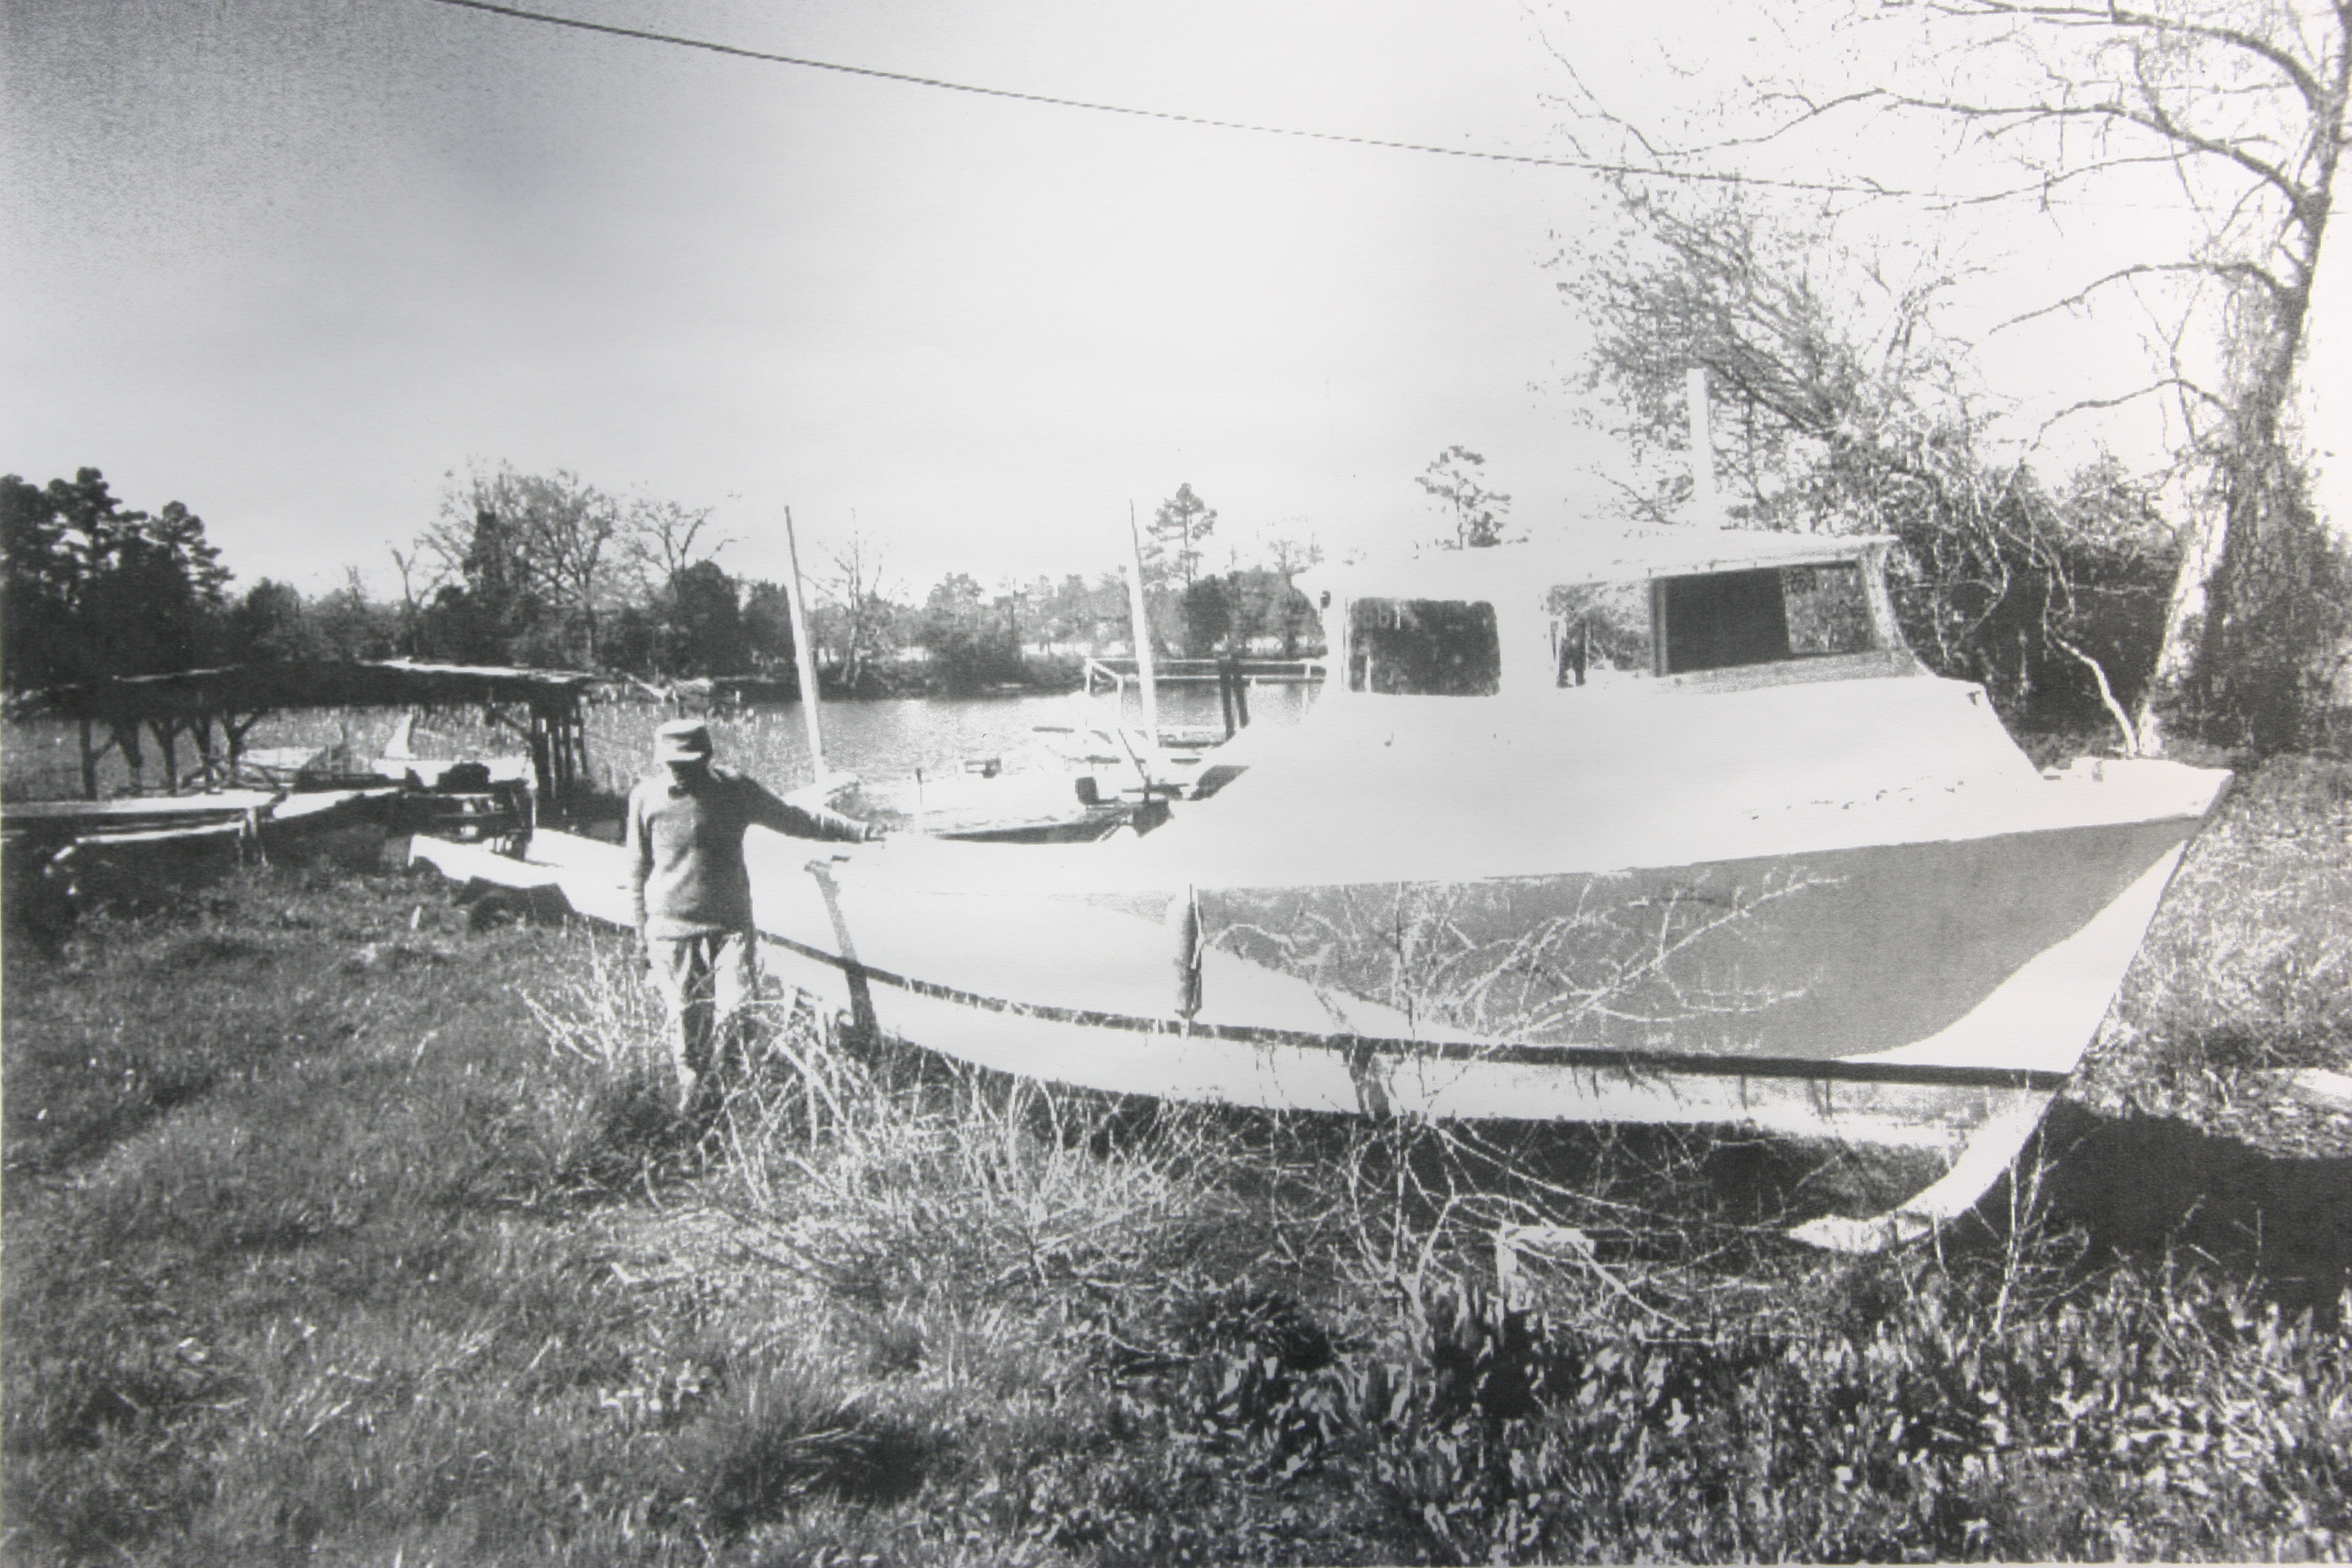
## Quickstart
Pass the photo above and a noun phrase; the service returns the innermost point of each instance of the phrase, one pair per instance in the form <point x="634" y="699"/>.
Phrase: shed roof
<point x="250" y="687"/>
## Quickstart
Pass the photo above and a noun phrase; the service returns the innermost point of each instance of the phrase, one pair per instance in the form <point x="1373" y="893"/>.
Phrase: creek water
<point x="892" y="738"/>
<point x="879" y="740"/>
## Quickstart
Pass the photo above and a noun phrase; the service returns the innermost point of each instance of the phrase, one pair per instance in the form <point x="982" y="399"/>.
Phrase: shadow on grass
<point x="2140" y="1184"/>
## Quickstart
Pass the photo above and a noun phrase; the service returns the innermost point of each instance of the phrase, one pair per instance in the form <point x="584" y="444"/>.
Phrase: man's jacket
<point x="685" y="843"/>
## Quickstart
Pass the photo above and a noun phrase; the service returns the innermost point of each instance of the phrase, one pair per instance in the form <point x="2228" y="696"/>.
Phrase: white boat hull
<point x="1847" y="911"/>
<point x="1081" y="987"/>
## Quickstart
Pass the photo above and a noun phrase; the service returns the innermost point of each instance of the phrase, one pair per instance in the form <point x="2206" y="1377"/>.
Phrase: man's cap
<point x="682" y="740"/>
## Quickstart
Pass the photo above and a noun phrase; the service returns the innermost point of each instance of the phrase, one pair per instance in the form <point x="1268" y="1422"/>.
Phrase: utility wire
<point x="1595" y="166"/>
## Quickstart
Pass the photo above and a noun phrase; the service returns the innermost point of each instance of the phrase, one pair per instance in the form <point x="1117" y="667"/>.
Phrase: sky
<point x="296" y="263"/>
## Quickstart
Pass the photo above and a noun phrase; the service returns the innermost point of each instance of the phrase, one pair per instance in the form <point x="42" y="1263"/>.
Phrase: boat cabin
<point x="1711" y="608"/>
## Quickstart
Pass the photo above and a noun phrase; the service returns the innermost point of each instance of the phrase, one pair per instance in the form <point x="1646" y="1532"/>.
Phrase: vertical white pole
<point x="1141" y="617"/>
<point x="804" y="653"/>
<point x="1703" y="492"/>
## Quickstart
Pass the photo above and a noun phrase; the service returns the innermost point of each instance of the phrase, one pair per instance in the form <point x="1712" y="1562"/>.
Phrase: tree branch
<point x="2117" y="19"/>
<point x="2241" y="271"/>
<point x="2154" y="123"/>
<point x="2106" y="693"/>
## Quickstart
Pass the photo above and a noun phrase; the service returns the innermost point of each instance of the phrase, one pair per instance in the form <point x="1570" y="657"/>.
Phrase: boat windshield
<point x="1423" y="648"/>
<point x="1600" y="632"/>
<point x="1726" y="619"/>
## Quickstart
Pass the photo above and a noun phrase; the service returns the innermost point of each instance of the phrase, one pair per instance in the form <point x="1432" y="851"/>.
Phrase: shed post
<point x="543" y="755"/>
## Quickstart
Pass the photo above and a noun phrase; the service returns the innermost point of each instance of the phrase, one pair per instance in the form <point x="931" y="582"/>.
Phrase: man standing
<point x="692" y="893"/>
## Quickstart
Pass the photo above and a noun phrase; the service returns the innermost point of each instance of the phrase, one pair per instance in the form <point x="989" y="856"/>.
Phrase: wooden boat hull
<point x="1025" y="807"/>
<point x="1082" y="986"/>
<point x="1930" y="994"/>
<point x="1822" y="956"/>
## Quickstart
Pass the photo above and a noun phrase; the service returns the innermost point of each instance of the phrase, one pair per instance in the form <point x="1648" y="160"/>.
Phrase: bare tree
<point x="659" y="538"/>
<point x="1808" y="350"/>
<point x="544" y="542"/>
<point x="1289" y="555"/>
<point x="2240" y="105"/>
<point x="858" y="601"/>
<point x="411" y="605"/>
<point x="2244" y="102"/>
<point x="1838" y="406"/>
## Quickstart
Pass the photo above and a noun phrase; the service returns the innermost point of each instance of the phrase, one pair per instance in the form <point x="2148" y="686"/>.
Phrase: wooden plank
<point x="186" y="808"/>
<point x="225" y="831"/>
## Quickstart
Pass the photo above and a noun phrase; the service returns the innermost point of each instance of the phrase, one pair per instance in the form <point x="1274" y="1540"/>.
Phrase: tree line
<point x="2054" y="597"/>
<point x="549" y="570"/>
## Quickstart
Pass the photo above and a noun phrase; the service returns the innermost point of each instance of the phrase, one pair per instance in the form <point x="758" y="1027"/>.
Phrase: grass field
<point x="345" y="1223"/>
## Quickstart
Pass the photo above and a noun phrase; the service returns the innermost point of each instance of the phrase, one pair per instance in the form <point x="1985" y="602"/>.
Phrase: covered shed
<point x="214" y="709"/>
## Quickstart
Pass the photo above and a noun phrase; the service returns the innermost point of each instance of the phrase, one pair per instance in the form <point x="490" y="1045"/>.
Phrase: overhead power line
<point x="1588" y="166"/>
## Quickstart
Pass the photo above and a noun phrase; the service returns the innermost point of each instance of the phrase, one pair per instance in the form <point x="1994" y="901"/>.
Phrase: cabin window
<point x="1727" y="619"/>
<point x="1423" y="648"/>
<point x="1829" y="609"/>
<point x="1600" y="631"/>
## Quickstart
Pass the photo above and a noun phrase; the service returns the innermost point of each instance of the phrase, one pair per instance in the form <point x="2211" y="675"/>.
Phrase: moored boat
<point x="1075" y="781"/>
<point x="1674" y="830"/>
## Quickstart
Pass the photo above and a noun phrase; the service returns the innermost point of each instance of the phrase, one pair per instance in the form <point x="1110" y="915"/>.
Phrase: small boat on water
<point x="1075" y="781"/>
<point x="1673" y="829"/>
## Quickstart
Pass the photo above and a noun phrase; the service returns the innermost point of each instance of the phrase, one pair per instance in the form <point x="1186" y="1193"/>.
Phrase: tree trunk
<point x="2175" y="656"/>
<point x="2220" y="550"/>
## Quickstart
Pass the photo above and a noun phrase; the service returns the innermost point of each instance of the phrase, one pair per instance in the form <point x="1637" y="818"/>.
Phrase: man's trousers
<point x="708" y="983"/>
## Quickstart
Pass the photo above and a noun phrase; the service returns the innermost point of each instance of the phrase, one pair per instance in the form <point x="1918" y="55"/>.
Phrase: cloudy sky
<point x="294" y="262"/>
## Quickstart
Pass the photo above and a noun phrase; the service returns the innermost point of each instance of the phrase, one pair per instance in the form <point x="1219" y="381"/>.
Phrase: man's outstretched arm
<point x="808" y="821"/>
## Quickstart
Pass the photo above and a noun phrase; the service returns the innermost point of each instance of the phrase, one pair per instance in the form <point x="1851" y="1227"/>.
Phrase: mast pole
<point x="1145" y="673"/>
<point x="1702" y="439"/>
<point x="804" y="654"/>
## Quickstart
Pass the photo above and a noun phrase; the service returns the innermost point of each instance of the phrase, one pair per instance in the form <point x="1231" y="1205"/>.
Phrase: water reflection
<point x="891" y="738"/>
